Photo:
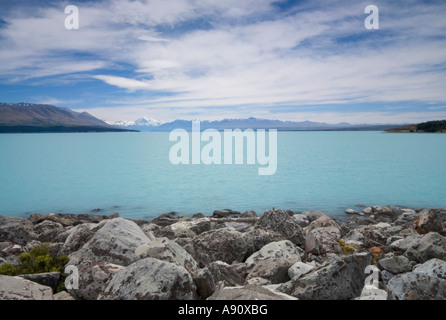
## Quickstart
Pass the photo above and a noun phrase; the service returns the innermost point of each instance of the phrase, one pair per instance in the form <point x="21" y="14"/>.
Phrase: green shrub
<point x="8" y="269"/>
<point x="38" y="260"/>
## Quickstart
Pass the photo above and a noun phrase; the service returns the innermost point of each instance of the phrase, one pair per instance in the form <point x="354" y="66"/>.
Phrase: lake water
<point x="130" y="173"/>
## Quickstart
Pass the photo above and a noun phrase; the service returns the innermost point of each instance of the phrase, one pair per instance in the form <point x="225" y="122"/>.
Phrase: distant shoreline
<point x="25" y="130"/>
<point x="59" y="129"/>
<point x="341" y="215"/>
<point x="438" y="126"/>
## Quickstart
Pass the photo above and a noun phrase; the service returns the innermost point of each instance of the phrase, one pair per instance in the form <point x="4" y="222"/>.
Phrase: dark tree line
<point x="432" y="126"/>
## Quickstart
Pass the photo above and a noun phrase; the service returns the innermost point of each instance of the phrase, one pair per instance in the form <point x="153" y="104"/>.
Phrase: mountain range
<point x="151" y="125"/>
<point x="28" y="118"/>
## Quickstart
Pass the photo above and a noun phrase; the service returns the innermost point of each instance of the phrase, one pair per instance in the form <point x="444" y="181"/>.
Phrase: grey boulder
<point x="339" y="278"/>
<point x="219" y="244"/>
<point x="17" y="288"/>
<point x="48" y="231"/>
<point x="395" y="264"/>
<point x="282" y="223"/>
<point x="429" y="221"/>
<point x="299" y="269"/>
<point x="322" y="240"/>
<point x="17" y="230"/>
<point x="230" y="274"/>
<point x="78" y="236"/>
<point x="93" y="279"/>
<point x="431" y="245"/>
<point x="115" y="242"/>
<point x="151" y="279"/>
<point x="370" y="236"/>
<point x="322" y="222"/>
<point x="48" y="279"/>
<point x="416" y="286"/>
<point x="434" y="268"/>
<point x="275" y="270"/>
<point x="426" y="282"/>
<point x="204" y="281"/>
<point x="278" y="249"/>
<point x="167" y="250"/>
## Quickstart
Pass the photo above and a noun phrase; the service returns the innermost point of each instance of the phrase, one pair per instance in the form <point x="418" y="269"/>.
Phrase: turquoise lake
<point x="130" y="173"/>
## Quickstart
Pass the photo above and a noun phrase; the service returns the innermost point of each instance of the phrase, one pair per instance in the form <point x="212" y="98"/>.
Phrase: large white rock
<point x="151" y="279"/>
<point x="409" y="242"/>
<point x="416" y="286"/>
<point x="299" y="269"/>
<point x="115" y="242"/>
<point x="17" y="288"/>
<point x="434" y="268"/>
<point x="167" y="250"/>
<point x="278" y="249"/>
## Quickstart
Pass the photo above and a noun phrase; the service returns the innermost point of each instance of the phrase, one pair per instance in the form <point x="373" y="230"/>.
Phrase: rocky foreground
<point x="280" y="255"/>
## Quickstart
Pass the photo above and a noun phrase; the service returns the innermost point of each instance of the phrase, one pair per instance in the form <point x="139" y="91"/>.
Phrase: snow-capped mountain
<point x="147" y="122"/>
<point x="141" y="124"/>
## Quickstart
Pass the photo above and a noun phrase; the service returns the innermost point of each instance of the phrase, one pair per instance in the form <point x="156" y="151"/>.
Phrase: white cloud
<point x="249" y="55"/>
<point x="150" y="38"/>
<point x="55" y="101"/>
<point x="124" y="83"/>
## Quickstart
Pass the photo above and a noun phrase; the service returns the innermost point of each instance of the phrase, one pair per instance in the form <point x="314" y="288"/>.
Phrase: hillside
<point x="425" y="127"/>
<point x="28" y="118"/>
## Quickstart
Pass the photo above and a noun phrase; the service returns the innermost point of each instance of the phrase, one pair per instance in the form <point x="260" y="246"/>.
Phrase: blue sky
<point x="170" y="59"/>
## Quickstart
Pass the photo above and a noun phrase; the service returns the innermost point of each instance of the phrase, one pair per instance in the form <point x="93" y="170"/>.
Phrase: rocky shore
<point x="377" y="254"/>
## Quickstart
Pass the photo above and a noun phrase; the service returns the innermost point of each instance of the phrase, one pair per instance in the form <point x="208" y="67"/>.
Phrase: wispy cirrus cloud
<point x="239" y="57"/>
